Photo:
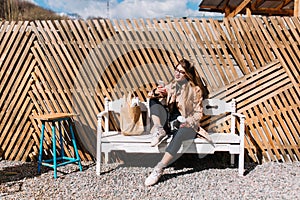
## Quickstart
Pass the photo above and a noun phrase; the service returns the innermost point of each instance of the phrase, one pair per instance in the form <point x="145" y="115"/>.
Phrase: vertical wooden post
<point x="227" y="11"/>
<point x="296" y="8"/>
<point x="248" y="12"/>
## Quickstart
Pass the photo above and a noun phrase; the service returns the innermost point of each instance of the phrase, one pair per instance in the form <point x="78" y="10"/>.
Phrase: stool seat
<point x="54" y="116"/>
<point x="61" y="160"/>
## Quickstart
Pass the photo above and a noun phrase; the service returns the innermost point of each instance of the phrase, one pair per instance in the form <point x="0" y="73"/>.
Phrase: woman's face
<point x="179" y="74"/>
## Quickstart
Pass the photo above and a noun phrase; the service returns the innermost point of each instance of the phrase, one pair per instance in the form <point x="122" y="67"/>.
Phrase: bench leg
<point x="98" y="159"/>
<point x="241" y="163"/>
<point x="232" y="159"/>
<point x="98" y="167"/>
<point x="106" y="157"/>
<point x="98" y="162"/>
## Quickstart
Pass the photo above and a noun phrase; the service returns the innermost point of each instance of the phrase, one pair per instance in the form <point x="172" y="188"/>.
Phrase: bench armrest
<point x="100" y="115"/>
<point x="242" y="124"/>
<point x="239" y="115"/>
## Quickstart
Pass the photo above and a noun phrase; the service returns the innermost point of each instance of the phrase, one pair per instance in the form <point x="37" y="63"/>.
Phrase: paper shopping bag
<point x="131" y="121"/>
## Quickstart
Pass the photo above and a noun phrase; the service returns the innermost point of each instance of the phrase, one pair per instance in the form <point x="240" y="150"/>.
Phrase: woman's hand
<point x="186" y="125"/>
<point x="158" y="92"/>
<point x="161" y="91"/>
<point x="182" y="125"/>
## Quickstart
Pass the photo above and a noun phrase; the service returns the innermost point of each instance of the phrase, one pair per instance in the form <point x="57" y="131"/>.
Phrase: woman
<point x="182" y="97"/>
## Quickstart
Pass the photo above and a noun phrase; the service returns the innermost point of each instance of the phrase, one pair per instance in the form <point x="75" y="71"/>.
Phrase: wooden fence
<point x="71" y="66"/>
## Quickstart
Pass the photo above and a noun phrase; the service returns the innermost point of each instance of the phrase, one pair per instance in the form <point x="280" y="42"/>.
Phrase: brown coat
<point x="189" y="101"/>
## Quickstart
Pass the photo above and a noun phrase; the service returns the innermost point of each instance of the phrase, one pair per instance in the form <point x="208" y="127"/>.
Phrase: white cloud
<point x="149" y="9"/>
<point x="126" y="8"/>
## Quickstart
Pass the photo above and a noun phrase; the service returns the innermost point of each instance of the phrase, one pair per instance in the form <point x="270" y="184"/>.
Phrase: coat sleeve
<point x="193" y="119"/>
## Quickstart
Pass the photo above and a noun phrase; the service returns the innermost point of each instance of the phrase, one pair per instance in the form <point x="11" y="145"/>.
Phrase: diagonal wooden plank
<point x="258" y="55"/>
<point x="20" y="133"/>
<point x="26" y="146"/>
<point x="241" y="45"/>
<point x="259" y="37"/>
<point x="7" y="33"/>
<point x="12" y="106"/>
<point x="156" y="50"/>
<point x="14" y="82"/>
<point x="238" y="9"/>
<point x="267" y="141"/>
<point x="227" y="63"/>
<point x="281" y="55"/>
<point x="229" y="36"/>
<point x="212" y="75"/>
<point x="16" y="43"/>
<point x="146" y="54"/>
<point x="199" y="49"/>
<point x="216" y="55"/>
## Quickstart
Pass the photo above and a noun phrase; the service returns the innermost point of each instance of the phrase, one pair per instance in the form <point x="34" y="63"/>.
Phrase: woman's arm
<point x="196" y="114"/>
<point x="159" y="92"/>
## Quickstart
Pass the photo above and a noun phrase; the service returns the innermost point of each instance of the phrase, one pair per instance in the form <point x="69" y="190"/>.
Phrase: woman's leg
<point x="158" y="113"/>
<point x="159" y="117"/>
<point x="182" y="134"/>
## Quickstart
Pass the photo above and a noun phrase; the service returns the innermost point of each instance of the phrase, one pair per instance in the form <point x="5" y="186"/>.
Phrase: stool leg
<point x="61" y="142"/>
<point x="41" y="147"/>
<point x="54" y="150"/>
<point x="74" y="144"/>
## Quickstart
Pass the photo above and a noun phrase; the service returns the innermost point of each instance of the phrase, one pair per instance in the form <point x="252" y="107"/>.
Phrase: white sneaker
<point x="154" y="176"/>
<point x="159" y="134"/>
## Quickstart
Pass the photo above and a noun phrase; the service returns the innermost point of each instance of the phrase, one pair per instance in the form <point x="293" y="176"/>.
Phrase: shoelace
<point x="157" y="132"/>
<point x="156" y="172"/>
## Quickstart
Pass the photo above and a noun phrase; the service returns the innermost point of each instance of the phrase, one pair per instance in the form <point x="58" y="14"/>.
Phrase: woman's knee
<point x="185" y="134"/>
<point x="157" y="109"/>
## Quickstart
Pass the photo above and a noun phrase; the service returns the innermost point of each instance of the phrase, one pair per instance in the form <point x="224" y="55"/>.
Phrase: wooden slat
<point x="214" y="51"/>
<point x="26" y="146"/>
<point x="232" y="45"/>
<point x="6" y="45"/>
<point x="282" y="55"/>
<point x="231" y="72"/>
<point x="153" y="49"/>
<point x="257" y="51"/>
<point x="259" y="136"/>
<point x="13" y="121"/>
<point x="11" y="107"/>
<point x="159" y="35"/>
<point x="55" y="74"/>
<point x="241" y="44"/>
<point x="20" y="134"/>
<point x="108" y="65"/>
<point x="8" y="56"/>
<point x="141" y="59"/>
<point x="204" y="59"/>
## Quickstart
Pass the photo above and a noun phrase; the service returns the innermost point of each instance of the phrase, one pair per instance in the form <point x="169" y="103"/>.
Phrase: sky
<point x="125" y="9"/>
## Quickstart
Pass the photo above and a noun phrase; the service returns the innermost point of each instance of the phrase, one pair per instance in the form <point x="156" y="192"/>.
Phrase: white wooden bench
<point x="232" y="142"/>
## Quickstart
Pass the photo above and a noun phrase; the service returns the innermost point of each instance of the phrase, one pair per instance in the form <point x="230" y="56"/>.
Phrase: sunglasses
<point x="180" y="71"/>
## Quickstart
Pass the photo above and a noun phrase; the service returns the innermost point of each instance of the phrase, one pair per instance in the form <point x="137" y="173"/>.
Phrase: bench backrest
<point x="210" y="106"/>
<point x="116" y="105"/>
<point x="217" y="106"/>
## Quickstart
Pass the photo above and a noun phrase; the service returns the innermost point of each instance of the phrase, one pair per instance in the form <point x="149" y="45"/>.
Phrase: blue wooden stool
<point x="61" y="160"/>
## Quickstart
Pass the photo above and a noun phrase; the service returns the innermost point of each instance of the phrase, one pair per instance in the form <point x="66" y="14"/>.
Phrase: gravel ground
<point x="187" y="178"/>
